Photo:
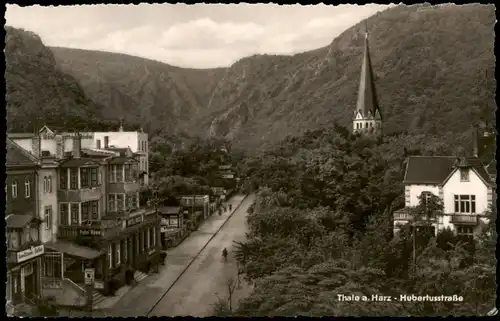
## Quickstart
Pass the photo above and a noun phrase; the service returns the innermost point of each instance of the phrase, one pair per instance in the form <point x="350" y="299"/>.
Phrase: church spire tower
<point x="367" y="116"/>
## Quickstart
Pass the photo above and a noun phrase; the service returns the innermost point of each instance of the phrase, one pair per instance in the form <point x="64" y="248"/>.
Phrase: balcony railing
<point x="106" y="228"/>
<point x="79" y="195"/>
<point x="97" y="230"/>
<point x="407" y="215"/>
<point x="464" y="219"/>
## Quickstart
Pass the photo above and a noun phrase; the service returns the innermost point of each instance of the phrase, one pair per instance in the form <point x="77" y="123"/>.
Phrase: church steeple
<point x="367" y="116"/>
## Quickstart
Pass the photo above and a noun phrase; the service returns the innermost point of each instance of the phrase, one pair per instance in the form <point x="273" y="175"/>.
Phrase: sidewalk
<point x="139" y="299"/>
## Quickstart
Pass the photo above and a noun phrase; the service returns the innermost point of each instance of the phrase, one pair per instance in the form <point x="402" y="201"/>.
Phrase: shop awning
<point x="18" y="221"/>
<point x="74" y="250"/>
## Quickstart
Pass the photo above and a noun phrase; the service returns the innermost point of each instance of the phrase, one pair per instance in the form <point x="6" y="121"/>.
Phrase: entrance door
<point x="30" y="286"/>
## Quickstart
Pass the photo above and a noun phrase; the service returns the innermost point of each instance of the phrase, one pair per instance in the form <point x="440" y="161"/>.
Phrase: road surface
<point x="191" y="281"/>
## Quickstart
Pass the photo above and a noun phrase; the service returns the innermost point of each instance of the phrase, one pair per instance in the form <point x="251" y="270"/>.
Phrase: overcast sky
<point x="198" y="36"/>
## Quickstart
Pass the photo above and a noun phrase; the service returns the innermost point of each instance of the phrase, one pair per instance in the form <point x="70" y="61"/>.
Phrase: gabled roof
<point x="77" y="162"/>
<point x="121" y="160"/>
<point x="491" y="168"/>
<point x="121" y="151"/>
<point x="16" y="155"/>
<point x="428" y="169"/>
<point x="436" y="170"/>
<point x="98" y="152"/>
<point x="18" y="220"/>
<point x="45" y="130"/>
<point x="20" y="135"/>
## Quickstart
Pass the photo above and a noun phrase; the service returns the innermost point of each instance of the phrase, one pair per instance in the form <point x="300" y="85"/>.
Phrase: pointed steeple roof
<point x="367" y="95"/>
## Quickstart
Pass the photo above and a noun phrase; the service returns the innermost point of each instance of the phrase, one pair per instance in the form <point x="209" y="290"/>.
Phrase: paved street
<point x="192" y="291"/>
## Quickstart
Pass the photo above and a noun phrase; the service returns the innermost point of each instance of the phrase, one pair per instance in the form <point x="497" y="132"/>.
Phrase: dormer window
<point x="27" y="188"/>
<point x="464" y="175"/>
<point x="14" y="189"/>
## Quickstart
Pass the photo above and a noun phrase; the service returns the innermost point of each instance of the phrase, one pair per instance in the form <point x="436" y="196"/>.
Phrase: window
<point x="13" y="239"/>
<point x="74" y="213"/>
<point x="95" y="209"/>
<point x="154" y="235"/>
<point x="117" y="247"/>
<point x="465" y="203"/>
<point x="45" y="184"/>
<point x="119" y="173"/>
<point x="111" y="173"/>
<point x="120" y="202"/>
<point x="98" y="144"/>
<point x="27" y="188"/>
<point x="111" y="202"/>
<point x="137" y="241"/>
<point x="128" y="172"/>
<point x="63" y="214"/>
<point x="73" y="178"/>
<point x="143" y="238"/>
<point x="135" y="172"/>
<point x="84" y="177"/>
<point x="48" y="217"/>
<point x="63" y="179"/>
<point x="14" y="189"/>
<point x="148" y="238"/>
<point x="85" y="211"/>
<point x="465" y="230"/>
<point x="125" y="250"/>
<point x="464" y="175"/>
<point x="133" y="198"/>
<point x="151" y="233"/>
<point x="110" y="256"/>
<point x="94" y="181"/>
<point x="49" y="184"/>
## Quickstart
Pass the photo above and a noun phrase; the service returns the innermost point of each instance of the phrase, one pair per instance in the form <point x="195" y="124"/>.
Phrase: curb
<point x="199" y="252"/>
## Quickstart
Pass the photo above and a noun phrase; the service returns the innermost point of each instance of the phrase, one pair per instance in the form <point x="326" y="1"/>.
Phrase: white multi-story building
<point x="57" y="144"/>
<point x="463" y="184"/>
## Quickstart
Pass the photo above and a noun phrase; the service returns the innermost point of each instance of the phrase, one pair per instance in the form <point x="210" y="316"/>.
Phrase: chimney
<point x="59" y="146"/>
<point x="106" y="142"/>
<point x="475" y="138"/>
<point x="121" y="125"/>
<point x="36" y="146"/>
<point x="77" y="145"/>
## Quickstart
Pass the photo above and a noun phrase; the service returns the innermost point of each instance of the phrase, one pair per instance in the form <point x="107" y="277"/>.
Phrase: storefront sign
<point x="30" y="253"/>
<point x="90" y="232"/>
<point x="135" y="220"/>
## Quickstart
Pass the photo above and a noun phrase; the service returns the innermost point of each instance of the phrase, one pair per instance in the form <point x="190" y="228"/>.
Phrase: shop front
<point x="24" y="275"/>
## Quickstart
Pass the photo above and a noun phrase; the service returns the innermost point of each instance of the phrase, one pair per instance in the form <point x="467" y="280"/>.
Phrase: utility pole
<point x="89" y="283"/>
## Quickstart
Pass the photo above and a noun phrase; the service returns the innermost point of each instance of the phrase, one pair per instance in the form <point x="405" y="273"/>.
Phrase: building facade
<point x="100" y="224"/>
<point x="24" y="246"/>
<point x="463" y="185"/>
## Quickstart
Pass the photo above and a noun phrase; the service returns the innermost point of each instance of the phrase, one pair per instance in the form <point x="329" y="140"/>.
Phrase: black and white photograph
<point x="250" y="160"/>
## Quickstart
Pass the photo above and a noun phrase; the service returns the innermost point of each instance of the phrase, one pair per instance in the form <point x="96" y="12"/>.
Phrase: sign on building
<point x="89" y="276"/>
<point x="30" y="253"/>
<point x="90" y="232"/>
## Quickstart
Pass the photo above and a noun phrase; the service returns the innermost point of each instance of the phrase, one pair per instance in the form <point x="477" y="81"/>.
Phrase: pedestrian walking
<point x="230" y="207"/>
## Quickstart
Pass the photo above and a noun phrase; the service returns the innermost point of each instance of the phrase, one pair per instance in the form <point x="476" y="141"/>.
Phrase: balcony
<point x="79" y="195"/>
<point x="465" y="219"/>
<point x="406" y="214"/>
<point x="25" y="252"/>
<point x="108" y="228"/>
<point x="124" y="187"/>
<point x="99" y="229"/>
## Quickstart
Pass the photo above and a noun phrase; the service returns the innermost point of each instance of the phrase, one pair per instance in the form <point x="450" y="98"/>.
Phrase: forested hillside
<point x="434" y="67"/>
<point x="159" y="96"/>
<point x="38" y="93"/>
